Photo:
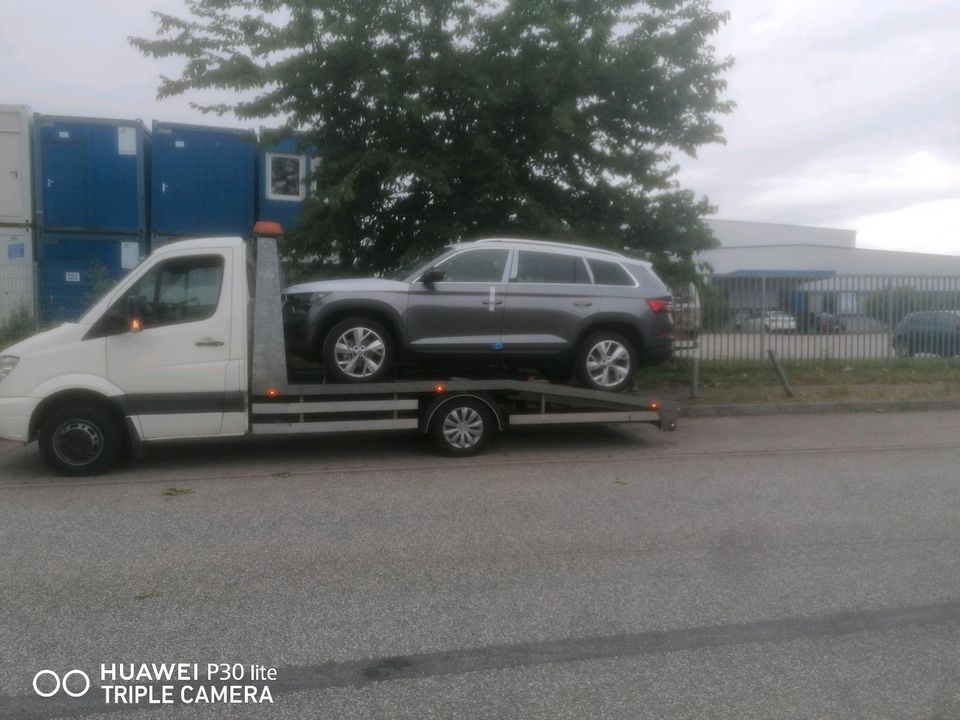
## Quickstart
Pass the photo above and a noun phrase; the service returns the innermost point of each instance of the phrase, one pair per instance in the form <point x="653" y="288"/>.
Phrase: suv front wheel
<point x="358" y="350"/>
<point x="606" y="361"/>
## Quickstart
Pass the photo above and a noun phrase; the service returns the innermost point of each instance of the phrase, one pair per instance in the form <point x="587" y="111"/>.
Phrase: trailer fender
<point x="426" y="417"/>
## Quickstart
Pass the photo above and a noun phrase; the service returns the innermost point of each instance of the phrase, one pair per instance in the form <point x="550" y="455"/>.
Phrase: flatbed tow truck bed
<point x="280" y="407"/>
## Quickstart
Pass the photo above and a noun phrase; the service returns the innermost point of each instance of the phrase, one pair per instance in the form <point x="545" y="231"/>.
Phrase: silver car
<point x="564" y="309"/>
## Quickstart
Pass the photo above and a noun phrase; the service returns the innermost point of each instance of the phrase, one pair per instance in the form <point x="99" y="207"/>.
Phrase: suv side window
<point x="610" y="273"/>
<point x="178" y="291"/>
<point x="475" y="266"/>
<point x="541" y="267"/>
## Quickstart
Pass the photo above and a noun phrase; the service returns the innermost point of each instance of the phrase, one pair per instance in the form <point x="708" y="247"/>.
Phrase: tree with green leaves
<point x="446" y="120"/>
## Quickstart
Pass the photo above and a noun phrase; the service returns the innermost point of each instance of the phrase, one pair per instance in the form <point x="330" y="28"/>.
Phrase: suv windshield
<point x="404" y="271"/>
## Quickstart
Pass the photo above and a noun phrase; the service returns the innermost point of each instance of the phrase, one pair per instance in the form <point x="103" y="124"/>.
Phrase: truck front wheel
<point x="79" y="440"/>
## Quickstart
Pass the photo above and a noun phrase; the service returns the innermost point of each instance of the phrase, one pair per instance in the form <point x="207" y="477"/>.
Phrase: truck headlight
<point x="7" y="363"/>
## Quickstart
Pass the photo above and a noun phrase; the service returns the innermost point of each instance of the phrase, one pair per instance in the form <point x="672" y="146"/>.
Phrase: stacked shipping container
<point x="202" y="181"/>
<point x="17" y="292"/>
<point x="82" y="200"/>
<point x="90" y="190"/>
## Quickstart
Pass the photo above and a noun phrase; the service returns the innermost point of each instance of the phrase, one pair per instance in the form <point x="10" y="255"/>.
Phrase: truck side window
<point x="178" y="291"/>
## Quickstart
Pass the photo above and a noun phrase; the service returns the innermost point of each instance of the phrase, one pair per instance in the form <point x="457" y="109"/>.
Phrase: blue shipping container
<point x="90" y="175"/>
<point x="202" y="180"/>
<point x="284" y="171"/>
<point x="76" y="269"/>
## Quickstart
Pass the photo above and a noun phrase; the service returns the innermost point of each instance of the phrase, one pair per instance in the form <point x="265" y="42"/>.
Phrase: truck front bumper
<point x="15" y="414"/>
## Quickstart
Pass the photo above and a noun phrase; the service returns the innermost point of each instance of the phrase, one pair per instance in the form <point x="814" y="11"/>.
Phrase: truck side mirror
<point x="431" y="276"/>
<point x="134" y="313"/>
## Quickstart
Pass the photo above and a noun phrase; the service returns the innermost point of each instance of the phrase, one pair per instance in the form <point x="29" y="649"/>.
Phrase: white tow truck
<point x="204" y="357"/>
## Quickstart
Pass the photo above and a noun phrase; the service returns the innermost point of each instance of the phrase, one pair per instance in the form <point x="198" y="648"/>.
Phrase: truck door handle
<point x="492" y="302"/>
<point x="209" y="342"/>
<point x="583" y="304"/>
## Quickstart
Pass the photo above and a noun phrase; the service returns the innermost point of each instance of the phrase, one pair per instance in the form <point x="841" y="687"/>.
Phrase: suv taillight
<point x="660" y="306"/>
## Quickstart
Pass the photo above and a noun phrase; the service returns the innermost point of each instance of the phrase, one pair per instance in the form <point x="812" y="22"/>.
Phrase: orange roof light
<point x="272" y="392"/>
<point x="266" y="227"/>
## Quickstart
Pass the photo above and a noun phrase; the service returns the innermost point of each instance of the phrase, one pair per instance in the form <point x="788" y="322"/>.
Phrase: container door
<point x="174" y="370"/>
<point x="16" y="278"/>
<point x="14" y="193"/>
<point x="65" y="184"/>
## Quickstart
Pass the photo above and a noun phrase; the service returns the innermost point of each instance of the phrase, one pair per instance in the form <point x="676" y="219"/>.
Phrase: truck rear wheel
<point x="462" y="427"/>
<point x="78" y="440"/>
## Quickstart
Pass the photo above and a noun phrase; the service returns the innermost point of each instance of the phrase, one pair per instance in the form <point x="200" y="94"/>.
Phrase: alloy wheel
<point x="608" y="363"/>
<point x="359" y="352"/>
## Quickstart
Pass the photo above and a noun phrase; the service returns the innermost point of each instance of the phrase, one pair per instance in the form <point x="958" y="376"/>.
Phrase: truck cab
<point x="165" y="351"/>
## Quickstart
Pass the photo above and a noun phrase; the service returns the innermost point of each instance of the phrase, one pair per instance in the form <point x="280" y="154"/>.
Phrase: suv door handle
<point x="583" y="304"/>
<point x="209" y="342"/>
<point x="492" y="302"/>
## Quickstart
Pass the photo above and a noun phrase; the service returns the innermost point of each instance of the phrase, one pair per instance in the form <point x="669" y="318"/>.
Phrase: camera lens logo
<point x="43" y="687"/>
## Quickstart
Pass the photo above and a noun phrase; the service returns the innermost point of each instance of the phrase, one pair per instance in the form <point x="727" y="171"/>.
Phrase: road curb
<point x="857" y="406"/>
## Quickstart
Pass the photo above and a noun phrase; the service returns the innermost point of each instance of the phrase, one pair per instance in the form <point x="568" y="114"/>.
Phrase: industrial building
<point x="809" y="271"/>
<point x="792" y="250"/>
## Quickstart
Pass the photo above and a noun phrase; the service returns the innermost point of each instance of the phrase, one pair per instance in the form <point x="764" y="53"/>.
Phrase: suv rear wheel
<point x="358" y="350"/>
<point x="606" y="361"/>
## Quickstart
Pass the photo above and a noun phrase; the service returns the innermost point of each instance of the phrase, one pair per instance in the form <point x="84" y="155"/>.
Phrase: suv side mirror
<point x="431" y="276"/>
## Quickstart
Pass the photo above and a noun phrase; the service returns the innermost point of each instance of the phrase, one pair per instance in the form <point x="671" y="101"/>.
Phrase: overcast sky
<point x="848" y="110"/>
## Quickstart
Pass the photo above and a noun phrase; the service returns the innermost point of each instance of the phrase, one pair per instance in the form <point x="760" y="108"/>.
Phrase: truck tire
<point x="358" y="350"/>
<point x="462" y="427"/>
<point x="81" y="440"/>
<point x="606" y="361"/>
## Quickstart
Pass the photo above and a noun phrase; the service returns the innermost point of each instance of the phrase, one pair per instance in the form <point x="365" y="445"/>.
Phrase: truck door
<point x="174" y="370"/>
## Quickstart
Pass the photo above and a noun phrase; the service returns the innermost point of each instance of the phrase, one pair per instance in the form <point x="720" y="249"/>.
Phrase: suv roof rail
<point x="550" y="243"/>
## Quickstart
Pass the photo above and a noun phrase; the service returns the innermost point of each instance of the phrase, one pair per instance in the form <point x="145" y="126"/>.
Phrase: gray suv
<point x="564" y="309"/>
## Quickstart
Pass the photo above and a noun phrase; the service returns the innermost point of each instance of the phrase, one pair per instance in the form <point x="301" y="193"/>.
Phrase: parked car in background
<point x="566" y="309"/>
<point x="687" y="316"/>
<point x="771" y="321"/>
<point x="933" y="332"/>
<point x="829" y="323"/>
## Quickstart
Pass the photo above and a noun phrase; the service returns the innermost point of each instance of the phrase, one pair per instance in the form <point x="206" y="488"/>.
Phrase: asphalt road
<point x="766" y="567"/>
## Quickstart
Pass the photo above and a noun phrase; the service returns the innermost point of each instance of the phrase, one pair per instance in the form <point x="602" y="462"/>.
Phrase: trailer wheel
<point x="78" y="440"/>
<point x="358" y="350"/>
<point x="462" y="427"/>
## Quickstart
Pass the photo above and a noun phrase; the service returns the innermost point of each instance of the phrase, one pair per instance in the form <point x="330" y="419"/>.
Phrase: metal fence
<point x="18" y="317"/>
<point x="818" y="316"/>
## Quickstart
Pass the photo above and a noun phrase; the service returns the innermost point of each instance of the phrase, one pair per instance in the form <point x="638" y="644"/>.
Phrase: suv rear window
<point x="541" y="267"/>
<point x="608" y="273"/>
